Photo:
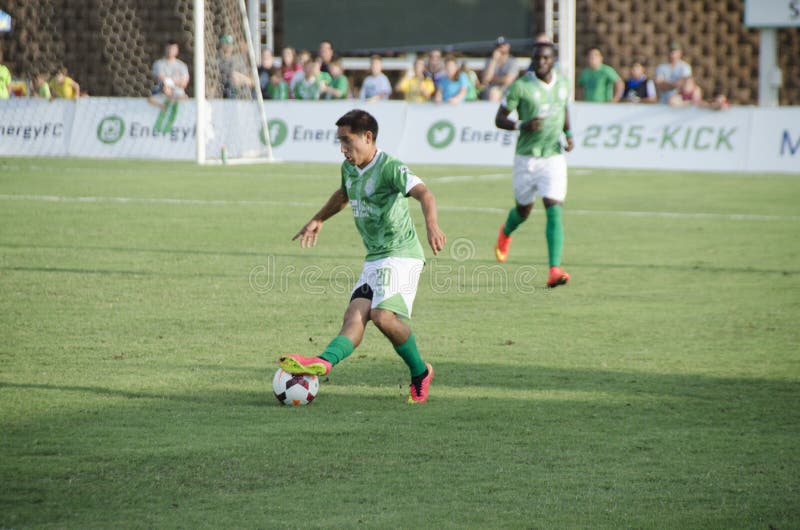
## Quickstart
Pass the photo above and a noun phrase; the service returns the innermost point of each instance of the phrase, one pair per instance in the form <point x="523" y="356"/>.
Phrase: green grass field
<point x="140" y="327"/>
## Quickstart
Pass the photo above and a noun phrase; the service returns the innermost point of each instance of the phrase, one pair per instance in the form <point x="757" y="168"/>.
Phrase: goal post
<point x="232" y="124"/>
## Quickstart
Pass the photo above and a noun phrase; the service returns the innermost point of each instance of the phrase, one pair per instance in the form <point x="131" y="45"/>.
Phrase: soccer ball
<point x="294" y="389"/>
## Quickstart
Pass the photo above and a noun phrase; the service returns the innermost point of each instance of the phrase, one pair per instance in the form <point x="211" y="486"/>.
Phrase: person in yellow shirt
<point x="5" y="79"/>
<point x="415" y="86"/>
<point x="64" y="86"/>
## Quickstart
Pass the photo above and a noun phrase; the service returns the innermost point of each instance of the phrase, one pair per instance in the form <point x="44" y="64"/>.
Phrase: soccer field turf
<point x="143" y="306"/>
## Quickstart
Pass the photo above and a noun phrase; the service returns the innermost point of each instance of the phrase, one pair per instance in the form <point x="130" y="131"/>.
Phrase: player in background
<point x="377" y="187"/>
<point x="540" y="169"/>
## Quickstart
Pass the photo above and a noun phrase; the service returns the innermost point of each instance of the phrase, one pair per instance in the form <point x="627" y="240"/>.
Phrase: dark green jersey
<point x="378" y="197"/>
<point x="533" y="98"/>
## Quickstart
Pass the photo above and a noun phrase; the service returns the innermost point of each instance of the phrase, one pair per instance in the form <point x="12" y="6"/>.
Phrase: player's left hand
<point x="436" y="239"/>
<point x="570" y="145"/>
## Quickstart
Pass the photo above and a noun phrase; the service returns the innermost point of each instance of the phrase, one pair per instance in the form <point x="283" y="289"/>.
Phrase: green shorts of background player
<point x="376" y="186"/>
<point x="539" y="98"/>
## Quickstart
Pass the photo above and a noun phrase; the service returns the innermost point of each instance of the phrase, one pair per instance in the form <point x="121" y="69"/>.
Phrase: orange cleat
<point x="557" y="277"/>
<point x="501" y="247"/>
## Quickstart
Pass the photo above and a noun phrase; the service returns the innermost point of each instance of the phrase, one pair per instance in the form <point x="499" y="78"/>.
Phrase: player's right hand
<point x="534" y="124"/>
<point x="308" y="234"/>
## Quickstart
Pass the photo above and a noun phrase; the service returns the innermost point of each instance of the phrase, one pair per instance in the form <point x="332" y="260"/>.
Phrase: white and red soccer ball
<point x="294" y="389"/>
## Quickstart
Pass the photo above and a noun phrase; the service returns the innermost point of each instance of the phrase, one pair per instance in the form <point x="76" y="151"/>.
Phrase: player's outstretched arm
<point x="568" y="133"/>
<point x="308" y="234"/>
<point x="436" y="238"/>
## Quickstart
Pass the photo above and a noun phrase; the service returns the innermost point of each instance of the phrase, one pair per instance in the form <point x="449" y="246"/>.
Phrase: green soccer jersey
<point x="377" y="196"/>
<point x="533" y="98"/>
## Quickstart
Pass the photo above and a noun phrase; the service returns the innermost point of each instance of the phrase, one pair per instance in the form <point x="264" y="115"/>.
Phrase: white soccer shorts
<point x="539" y="177"/>
<point x="393" y="282"/>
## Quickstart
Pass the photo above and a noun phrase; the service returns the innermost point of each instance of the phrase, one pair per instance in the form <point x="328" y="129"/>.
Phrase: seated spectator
<point x="312" y="85"/>
<point x="325" y="53"/>
<point x="237" y="81"/>
<point x="170" y="75"/>
<point x="42" y="87"/>
<point x="339" y="86"/>
<point x="474" y="82"/>
<point x="277" y="88"/>
<point x="500" y="71"/>
<point x="5" y="79"/>
<point x="670" y="75"/>
<point x="376" y="85"/>
<point x="454" y="86"/>
<point x="688" y="94"/>
<point x="415" y="86"/>
<point x="638" y="88"/>
<point x="303" y="58"/>
<point x="265" y="70"/>
<point x="435" y="67"/>
<point x="64" y="86"/>
<point x="289" y="64"/>
<point x="599" y="82"/>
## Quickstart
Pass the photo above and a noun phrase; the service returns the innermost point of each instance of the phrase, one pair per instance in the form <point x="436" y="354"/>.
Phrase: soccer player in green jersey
<point x="540" y="99"/>
<point x="376" y="186"/>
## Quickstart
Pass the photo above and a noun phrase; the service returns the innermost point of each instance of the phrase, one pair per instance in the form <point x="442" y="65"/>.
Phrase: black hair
<point x="537" y="45"/>
<point x="359" y="121"/>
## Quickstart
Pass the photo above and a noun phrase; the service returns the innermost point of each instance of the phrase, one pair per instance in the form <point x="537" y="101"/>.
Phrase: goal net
<point x="231" y="118"/>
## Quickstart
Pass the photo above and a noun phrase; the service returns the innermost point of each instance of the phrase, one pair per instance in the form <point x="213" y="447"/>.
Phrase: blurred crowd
<point x="432" y="77"/>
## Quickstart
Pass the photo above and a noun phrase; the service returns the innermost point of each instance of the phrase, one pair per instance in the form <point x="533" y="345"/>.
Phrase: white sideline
<point x="472" y="209"/>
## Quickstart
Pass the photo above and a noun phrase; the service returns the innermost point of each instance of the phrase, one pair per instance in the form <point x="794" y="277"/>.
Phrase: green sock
<point x="513" y="220"/>
<point x="555" y="235"/>
<point x="339" y="348"/>
<point x="409" y="353"/>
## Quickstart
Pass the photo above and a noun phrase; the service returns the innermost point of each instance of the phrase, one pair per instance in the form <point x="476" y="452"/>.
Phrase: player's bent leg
<point x="355" y="321"/>
<point x="516" y="216"/>
<point x="555" y="242"/>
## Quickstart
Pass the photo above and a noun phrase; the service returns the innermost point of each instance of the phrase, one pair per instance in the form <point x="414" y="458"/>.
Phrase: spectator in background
<point x="5" y="79"/>
<point x="599" y="82"/>
<point x="339" y="86"/>
<point x="376" y="85"/>
<point x="500" y="71"/>
<point x="454" y="86"/>
<point x="64" y="86"/>
<point x="42" y="87"/>
<point x="472" y="79"/>
<point x="638" y="88"/>
<point x="670" y="75"/>
<point x="687" y="94"/>
<point x="325" y="53"/>
<point x="265" y="70"/>
<point x="289" y="64"/>
<point x="312" y="85"/>
<point x="277" y="88"/>
<point x="415" y="86"/>
<point x="171" y="76"/>
<point x="303" y="58"/>
<point x="237" y="81"/>
<point x="435" y="67"/>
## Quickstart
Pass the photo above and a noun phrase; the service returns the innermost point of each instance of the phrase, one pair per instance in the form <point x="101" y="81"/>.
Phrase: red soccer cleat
<point x="557" y="277"/>
<point x="299" y="365"/>
<point x="420" y="395"/>
<point x="501" y="247"/>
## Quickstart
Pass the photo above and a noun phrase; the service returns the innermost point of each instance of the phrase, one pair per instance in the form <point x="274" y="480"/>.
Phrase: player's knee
<point x="524" y="211"/>
<point x="382" y="318"/>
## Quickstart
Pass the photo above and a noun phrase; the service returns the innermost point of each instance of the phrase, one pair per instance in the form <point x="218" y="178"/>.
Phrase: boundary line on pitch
<point x="468" y="209"/>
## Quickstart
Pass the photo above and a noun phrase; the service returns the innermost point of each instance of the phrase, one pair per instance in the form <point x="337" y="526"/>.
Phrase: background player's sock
<point x="339" y="348"/>
<point x="555" y="235"/>
<point x="513" y="220"/>
<point x="409" y="353"/>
